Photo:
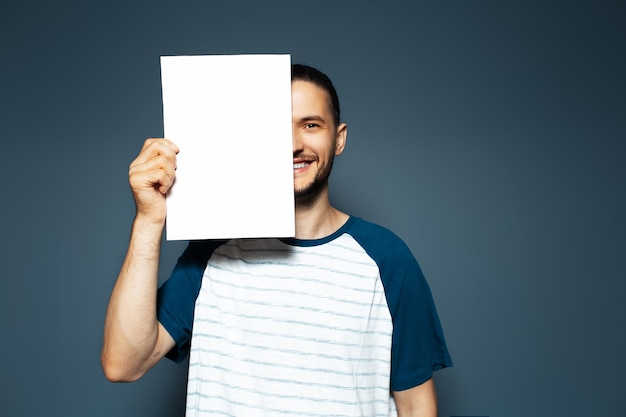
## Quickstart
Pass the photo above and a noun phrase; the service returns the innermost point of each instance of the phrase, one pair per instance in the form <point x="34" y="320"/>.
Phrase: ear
<point x="342" y="136"/>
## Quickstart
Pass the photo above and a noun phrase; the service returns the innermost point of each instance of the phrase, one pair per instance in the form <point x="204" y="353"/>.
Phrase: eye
<point x="311" y="125"/>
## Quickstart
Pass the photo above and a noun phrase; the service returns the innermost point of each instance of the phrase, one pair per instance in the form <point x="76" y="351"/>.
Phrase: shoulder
<point x="398" y="268"/>
<point x="380" y="242"/>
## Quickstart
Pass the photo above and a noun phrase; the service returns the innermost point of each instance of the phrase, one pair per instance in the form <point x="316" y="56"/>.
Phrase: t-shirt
<point x="324" y="327"/>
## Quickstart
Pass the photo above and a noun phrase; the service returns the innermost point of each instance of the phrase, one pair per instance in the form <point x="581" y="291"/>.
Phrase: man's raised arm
<point x="133" y="338"/>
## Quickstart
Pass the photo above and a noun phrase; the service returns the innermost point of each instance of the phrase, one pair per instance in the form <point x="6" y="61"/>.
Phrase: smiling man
<point x="336" y="321"/>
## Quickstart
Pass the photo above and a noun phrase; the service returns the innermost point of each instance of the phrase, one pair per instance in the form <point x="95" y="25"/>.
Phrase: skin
<point x="419" y="401"/>
<point x="134" y="340"/>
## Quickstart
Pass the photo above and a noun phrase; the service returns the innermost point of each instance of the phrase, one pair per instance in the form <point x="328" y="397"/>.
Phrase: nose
<point x="296" y="141"/>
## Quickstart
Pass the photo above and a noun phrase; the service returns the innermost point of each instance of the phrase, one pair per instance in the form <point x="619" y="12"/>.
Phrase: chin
<point x="310" y="192"/>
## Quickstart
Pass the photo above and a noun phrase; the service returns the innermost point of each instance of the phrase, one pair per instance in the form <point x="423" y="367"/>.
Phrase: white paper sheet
<point x="230" y="115"/>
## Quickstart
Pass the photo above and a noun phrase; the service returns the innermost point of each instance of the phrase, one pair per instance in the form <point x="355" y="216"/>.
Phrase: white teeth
<point x="299" y="165"/>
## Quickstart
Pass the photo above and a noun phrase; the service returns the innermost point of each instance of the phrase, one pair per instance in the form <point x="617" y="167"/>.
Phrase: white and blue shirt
<point x="291" y="327"/>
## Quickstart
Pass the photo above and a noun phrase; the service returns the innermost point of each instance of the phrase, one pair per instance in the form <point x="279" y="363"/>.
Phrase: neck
<point x="316" y="218"/>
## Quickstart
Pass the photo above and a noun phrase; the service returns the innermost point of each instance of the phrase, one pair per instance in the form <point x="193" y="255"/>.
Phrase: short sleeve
<point x="176" y="298"/>
<point x="418" y="347"/>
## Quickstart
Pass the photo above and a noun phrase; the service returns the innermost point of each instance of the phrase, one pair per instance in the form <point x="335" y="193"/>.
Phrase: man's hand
<point x="151" y="175"/>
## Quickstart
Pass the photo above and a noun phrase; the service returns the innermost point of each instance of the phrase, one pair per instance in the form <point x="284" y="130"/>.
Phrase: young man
<point x="336" y="321"/>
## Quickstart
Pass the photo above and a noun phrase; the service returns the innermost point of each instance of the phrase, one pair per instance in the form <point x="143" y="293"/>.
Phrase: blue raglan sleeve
<point x="418" y="347"/>
<point x="176" y="298"/>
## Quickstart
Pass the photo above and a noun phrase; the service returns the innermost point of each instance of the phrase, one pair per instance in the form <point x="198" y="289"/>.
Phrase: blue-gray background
<point x="488" y="135"/>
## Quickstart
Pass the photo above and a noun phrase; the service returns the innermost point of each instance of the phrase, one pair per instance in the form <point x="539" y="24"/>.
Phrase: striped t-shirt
<point x="290" y="327"/>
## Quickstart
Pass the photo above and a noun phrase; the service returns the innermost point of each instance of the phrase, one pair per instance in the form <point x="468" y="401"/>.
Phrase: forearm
<point x="131" y="327"/>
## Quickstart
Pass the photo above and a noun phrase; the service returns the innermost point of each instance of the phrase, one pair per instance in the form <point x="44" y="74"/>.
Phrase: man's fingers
<point x="158" y="173"/>
<point x="156" y="155"/>
<point x="154" y="147"/>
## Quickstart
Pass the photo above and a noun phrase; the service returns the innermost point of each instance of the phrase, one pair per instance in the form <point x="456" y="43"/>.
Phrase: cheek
<point x="324" y="145"/>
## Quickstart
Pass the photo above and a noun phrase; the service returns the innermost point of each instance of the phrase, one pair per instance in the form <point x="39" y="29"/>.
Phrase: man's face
<point x="316" y="139"/>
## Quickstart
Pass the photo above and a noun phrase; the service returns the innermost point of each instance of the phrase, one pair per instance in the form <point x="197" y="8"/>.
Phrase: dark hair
<point x="301" y="72"/>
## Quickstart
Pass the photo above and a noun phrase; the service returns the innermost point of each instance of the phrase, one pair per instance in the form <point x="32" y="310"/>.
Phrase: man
<point x="336" y="321"/>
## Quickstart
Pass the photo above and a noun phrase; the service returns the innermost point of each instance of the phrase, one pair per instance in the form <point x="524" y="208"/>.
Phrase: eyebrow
<point x="312" y="119"/>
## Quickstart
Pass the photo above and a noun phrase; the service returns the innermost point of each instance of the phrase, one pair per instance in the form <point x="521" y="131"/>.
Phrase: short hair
<point x="301" y="72"/>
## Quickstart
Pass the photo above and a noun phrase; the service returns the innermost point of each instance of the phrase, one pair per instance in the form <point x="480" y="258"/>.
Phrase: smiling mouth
<point x="300" y="165"/>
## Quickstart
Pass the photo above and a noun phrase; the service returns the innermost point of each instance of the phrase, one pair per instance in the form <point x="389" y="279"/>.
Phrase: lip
<point x="301" y="165"/>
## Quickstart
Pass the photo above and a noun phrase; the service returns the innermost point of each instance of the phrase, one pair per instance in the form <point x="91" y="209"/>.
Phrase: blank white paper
<point x="230" y="115"/>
